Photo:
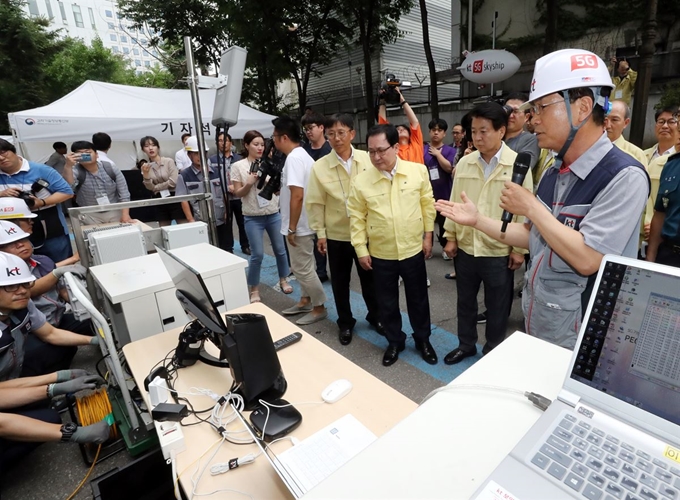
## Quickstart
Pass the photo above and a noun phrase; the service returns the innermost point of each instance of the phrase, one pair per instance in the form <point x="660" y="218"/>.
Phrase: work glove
<point x="94" y="340"/>
<point x="64" y="375"/>
<point x="75" y="385"/>
<point x="75" y="269"/>
<point x="96" y="433"/>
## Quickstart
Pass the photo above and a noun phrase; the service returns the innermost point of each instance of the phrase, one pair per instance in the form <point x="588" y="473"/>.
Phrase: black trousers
<point x="236" y="212"/>
<point x="386" y="277"/>
<point x="320" y="261"/>
<point x="439" y="219"/>
<point x="667" y="255"/>
<point x="341" y="256"/>
<point x="471" y="272"/>
<point x="12" y="451"/>
<point x="225" y="240"/>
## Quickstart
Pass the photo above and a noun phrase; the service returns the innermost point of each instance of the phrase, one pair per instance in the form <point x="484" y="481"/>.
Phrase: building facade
<point x="89" y="19"/>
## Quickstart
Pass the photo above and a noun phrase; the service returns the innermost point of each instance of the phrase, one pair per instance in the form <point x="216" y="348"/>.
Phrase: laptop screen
<point x="631" y="345"/>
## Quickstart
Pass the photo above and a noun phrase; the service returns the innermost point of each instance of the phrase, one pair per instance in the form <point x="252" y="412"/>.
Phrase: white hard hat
<point x="13" y="270"/>
<point x="568" y="69"/>
<point x="191" y="144"/>
<point x="10" y="232"/>
<point x="15" y="208"/>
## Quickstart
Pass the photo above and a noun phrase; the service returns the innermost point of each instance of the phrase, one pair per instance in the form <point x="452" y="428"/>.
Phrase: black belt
<point x="674" y="247"/>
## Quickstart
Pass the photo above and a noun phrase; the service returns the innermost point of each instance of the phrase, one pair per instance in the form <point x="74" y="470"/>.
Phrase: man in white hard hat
<point x="587" y="204"/>
<point x="16" y="210"/>
<point x="190" y="181"/>
<point x="19" y="317"/>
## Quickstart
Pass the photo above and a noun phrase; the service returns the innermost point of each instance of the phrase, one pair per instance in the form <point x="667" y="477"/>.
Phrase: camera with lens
<point x="36" y="188"/>
<point x="389" y="86"/>
<point x="269" y="169"/>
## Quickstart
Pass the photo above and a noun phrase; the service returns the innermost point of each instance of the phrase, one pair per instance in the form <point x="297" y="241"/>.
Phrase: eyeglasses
<point x="5" y="152"/>
<point x="15" y="244"/>
<point x="380" y="152"/>
<point x="14" y="288"/>
<point x="517" y="111"/>
<point x="340" y="134"/>
<point x="309" y="128"/>
<point x="670" y="122"/>
<point x="537" y="109"/>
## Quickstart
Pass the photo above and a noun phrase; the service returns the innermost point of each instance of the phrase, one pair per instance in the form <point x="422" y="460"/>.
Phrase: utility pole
<point x="644" y="79"/>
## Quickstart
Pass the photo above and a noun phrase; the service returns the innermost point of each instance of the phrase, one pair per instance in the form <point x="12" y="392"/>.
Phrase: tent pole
<point x="206" y="206"/>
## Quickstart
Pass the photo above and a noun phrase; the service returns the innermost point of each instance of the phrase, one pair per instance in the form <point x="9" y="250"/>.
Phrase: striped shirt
<point x="99" y="184"/>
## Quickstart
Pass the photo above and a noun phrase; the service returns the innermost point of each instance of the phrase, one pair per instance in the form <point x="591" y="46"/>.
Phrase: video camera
<point x="36" y="188"/>
<point x="269" y="169"/>
<point x="389" y="88"/>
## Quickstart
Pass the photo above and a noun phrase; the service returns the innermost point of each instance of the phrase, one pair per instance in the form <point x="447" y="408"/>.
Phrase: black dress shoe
<point x="378" y="327"/>
<point x="345" y="336"/>
<point x="392" y="354"/>
<point x="427" y="352"/>
<point x="458" y="355"/>
<point x="246" y="250"/>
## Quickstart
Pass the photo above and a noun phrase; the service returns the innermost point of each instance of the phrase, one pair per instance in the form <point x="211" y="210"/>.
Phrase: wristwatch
<point x="292" y="231"/>
<point x="67" y="431"/>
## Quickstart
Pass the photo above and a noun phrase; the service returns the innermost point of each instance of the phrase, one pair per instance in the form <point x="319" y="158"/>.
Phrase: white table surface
<point x="450" y="444"/>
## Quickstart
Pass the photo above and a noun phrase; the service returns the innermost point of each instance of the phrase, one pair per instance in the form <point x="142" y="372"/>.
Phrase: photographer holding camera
<point x="260" y="214"/>
<point x="410" y="136"/>
<point x="624" y="81"/>
<point x="42" y="188"/>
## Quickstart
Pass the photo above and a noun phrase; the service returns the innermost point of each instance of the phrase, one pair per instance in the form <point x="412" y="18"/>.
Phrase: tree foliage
<point x="39" y="67"/>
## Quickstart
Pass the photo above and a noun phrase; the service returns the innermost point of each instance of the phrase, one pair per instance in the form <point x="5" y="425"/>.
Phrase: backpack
<point x="82" y="174"/>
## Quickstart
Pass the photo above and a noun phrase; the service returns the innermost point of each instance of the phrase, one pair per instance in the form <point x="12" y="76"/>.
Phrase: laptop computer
<point x="613" y="433"/>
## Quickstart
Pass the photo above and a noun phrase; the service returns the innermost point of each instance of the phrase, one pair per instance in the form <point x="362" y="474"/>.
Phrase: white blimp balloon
<point x="489" y="66"/>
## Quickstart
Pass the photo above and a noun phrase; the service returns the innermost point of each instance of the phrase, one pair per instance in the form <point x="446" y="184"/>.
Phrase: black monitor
<point x="244" y="342"/>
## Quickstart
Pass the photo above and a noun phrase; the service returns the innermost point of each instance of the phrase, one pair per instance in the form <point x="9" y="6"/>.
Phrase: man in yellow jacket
<point x="326" y="204"/>
<point x="479" y="258"/>
<point x="391" y="210"/>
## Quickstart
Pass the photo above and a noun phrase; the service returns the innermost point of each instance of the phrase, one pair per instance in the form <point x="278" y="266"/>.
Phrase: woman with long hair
<point x="260" y="215"/>
<point x="160" y="177"/>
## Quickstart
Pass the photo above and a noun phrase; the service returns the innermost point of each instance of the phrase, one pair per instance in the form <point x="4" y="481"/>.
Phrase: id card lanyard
<point x="102" y="199"/>
<point x="345" y="197"/>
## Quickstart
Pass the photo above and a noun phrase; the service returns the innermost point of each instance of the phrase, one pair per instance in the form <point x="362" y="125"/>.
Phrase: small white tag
<point x="261" y="202"/>
<point x="165" y="193"/>
<point x="618" y="94"/>
<point x="103" y="200"/>
<point x="434" y="174"/>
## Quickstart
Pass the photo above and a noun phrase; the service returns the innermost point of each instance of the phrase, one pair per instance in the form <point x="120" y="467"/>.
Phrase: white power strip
<point x="170" y="437"/>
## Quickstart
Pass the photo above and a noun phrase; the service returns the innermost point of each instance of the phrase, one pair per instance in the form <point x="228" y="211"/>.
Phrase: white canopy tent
<point x="127" y="114"/>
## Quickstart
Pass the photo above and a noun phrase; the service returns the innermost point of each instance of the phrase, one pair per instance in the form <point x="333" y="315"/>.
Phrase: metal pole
<point x="493" y="37"/>
<point x="206" y="207"/>
<point x="469" y="44"/>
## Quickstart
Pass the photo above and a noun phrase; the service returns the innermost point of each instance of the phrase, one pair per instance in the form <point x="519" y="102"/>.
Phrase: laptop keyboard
<point x="600" y="466"/>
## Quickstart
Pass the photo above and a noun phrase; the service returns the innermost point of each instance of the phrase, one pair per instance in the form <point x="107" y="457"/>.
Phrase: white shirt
<point x="656" y="154"/>
<point x="390" y="174"/>
<point x="101" y="155"/>
<point x="347" y="164"/>
<point x="182" y="159"/>
<point x="295" y="173"/>
<point x="490" y="167"/>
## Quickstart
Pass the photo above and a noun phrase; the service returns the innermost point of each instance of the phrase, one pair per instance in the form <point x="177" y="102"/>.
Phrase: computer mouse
<point x="336" y="390"/>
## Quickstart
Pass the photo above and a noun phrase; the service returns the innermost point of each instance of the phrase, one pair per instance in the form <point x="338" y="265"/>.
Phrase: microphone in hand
<point x="519" y="173"/>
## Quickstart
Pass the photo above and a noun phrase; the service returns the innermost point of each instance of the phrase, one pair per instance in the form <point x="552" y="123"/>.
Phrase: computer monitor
<point x="245" y="341"/>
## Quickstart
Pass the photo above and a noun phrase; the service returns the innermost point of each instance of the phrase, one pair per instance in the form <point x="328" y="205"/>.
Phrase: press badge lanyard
<point x="103" y="198"/>
<point x="344" y="196"/>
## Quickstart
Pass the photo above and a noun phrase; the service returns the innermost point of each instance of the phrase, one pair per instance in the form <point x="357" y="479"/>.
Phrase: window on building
<point x="156" y="64"/>
<point x="134" y="40"/>
<point x="143" y="41"/>
<point x="135" y="51"/>
<point x="123" y="38"/>
<point x="115" y="50"/>
<point x="126" y="50"/>
<point x="48" y="5"/>
<point x="138" y="62"/>
<point x="91" y="12"/>
<point x="147" y="64"/>
<point x="111" y="26"/>
<point x="77" y="16"/>
<point x="63" y="12"/>
<point x="113" y="37"/>
<point x="33" y="8"/>
<point x="108" y="13"/>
